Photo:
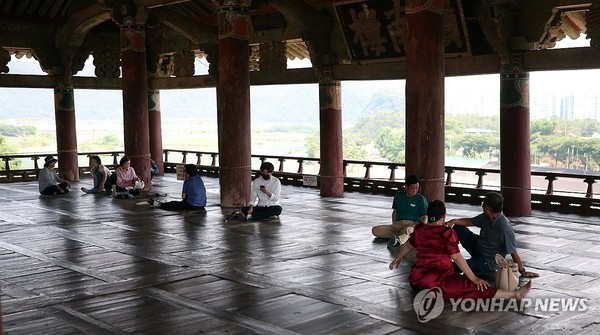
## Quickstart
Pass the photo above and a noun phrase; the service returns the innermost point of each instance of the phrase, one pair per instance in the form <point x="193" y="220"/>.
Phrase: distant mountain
<point x="273" y="104"/>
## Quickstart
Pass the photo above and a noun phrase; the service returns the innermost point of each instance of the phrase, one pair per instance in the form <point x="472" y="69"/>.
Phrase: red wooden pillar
<point x="332" y="156"/>
<point x="425" y="95"/>
<point x="135" y="98"/>
<point x="156" y="147"/>
<point x="66" y="134"/>
<point x="515" y="158"/>
<point x="234" y="103"/>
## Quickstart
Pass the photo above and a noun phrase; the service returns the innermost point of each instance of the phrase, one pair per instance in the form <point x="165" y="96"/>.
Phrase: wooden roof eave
<point x="74" y="31"/>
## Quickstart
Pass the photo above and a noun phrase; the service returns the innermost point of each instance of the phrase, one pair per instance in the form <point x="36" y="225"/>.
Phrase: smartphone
<point x="262" y="186"/>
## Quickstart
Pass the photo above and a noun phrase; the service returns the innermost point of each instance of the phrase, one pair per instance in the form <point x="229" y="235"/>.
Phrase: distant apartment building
<point x="567" y="104"/>
<point x="586" y="106"/>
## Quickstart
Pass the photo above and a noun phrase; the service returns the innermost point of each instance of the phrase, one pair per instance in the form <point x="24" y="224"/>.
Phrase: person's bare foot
<point x="522" y="292"/>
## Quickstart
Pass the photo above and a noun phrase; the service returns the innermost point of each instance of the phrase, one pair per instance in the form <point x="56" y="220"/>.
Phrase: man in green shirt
<point x="409" y="208"/>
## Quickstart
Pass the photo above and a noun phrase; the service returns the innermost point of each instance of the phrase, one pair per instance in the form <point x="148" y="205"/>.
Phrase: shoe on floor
<point x="151" y="202"/>
<point x="393" y="242"/>
<point x="232" y="216"/>
<point x="85" y="190"/>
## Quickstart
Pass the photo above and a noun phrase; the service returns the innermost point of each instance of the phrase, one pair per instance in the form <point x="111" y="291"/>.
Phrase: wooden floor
<point x="86" y="264"/>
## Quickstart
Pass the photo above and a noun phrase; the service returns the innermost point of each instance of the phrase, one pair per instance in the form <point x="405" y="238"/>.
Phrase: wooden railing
<point x="556" y="191"/>
<point x="29" y="172"/>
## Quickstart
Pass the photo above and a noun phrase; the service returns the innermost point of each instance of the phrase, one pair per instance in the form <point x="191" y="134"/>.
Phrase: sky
<point x="578" y="81"/>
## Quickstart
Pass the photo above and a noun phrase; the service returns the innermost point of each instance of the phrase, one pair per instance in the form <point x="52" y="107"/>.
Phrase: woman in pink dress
<point x="437" y="250"/>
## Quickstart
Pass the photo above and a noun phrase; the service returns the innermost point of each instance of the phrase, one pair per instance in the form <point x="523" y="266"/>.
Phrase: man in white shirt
<point x="266" y="189"/>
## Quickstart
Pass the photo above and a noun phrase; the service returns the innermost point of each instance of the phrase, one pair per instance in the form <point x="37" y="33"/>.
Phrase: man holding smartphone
<point x="264" y="195"/>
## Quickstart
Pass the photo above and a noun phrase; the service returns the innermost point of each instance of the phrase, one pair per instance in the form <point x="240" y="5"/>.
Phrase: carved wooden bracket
<point x="496" y="18"/>
<point x="316" y="27"/>
<point x="565" y="21"/>
<point x="593" y="24"/>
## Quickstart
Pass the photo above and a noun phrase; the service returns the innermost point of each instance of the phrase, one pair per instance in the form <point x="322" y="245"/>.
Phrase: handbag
<point x="139" y="184"/>
<point x="507" y="276"/>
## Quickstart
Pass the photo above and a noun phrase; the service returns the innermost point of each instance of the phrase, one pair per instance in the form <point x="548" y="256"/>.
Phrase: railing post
<point x="393" y="168"/>
<point x="345" y="168"/>
<point x="480" y="173"/>
<point x="281" y="160"/>
<point x="184" y="158"/>
<point x="36" y="166"/>
<point x="590" y="189"/>
<point x="199" y="155"/>
<point x="166" y="156"/>
<point x="550" y="179"/>
<point x="115" y="155"/>
<point x="300" y="168"/>
<point x="449" y="172"/>
<point x="368" y="171"/>
<point x="262" y="159"/>
<point x="214" y="159"/>
<point x="319" y="173"/>
<point x="7" y="168"/>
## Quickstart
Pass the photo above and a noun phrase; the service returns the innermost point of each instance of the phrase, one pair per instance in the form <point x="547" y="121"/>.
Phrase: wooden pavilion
<point x="144" y="46"/>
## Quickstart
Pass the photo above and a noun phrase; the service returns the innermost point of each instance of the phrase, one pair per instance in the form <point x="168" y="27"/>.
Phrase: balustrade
<point x="461" y="184"/>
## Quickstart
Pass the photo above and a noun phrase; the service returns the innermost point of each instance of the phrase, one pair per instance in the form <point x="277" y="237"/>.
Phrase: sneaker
<point x="85" y="190"/>
<point x="151" y="202"/>
<point x="232" y="216"/>
<point x="393" y="242"/>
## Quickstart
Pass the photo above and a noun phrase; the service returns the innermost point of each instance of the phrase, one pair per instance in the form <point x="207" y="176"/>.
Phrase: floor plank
<point x="86" y="264"/>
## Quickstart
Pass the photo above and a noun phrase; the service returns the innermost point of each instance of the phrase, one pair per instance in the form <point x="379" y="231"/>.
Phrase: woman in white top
<point x="101" y="176"/>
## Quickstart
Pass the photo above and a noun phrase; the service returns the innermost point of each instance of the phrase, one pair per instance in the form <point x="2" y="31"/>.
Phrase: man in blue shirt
<point x="496" y="237"/>
<point x="409" y="208"/>
<point x="193" y="193"/>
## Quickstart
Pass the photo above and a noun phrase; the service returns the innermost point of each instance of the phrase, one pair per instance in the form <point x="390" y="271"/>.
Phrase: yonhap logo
<point x="429" y="304"/>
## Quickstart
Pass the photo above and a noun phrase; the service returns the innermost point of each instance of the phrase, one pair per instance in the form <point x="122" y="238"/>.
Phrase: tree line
<point x="571" y="144"/>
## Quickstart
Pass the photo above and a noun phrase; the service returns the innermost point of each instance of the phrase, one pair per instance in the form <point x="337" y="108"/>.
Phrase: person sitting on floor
<point x="496" y="237"/>
<point x="101" y="175"/>
<point x="193" y="193"/>
<point x="154" y="171"/>
<point x="124" y="178"/>
<point x="49" y="181"/>
<point x="409" y="208"/>
<point x="267" y="190"/>
<point x="437" y="252"/>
